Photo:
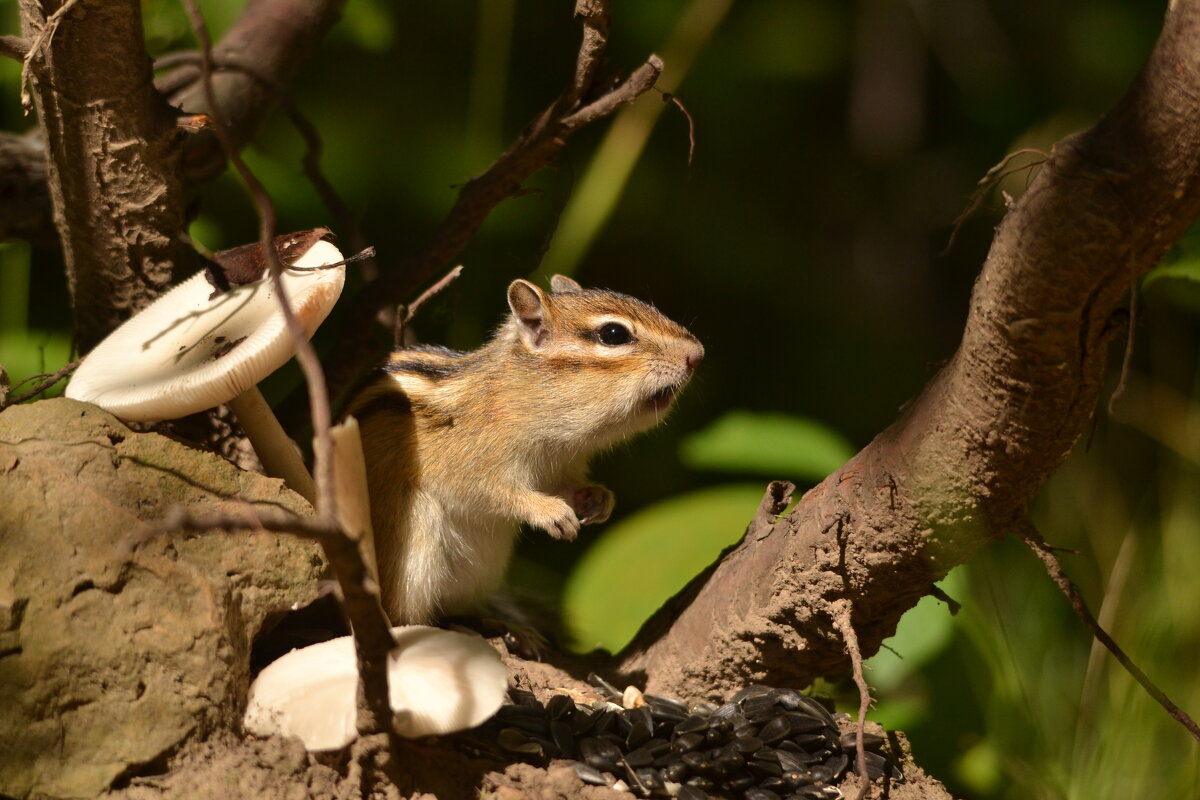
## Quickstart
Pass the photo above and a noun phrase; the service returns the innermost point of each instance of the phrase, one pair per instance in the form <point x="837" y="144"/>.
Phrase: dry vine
<point x="360" y="604"/>
<point x="535" y="148"/>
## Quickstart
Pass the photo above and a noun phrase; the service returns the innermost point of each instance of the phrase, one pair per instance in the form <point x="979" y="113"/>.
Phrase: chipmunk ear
<point x="561" y="284"/>
<point x="528" y="304"/>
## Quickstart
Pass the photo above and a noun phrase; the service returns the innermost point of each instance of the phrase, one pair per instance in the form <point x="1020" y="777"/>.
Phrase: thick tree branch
<point x="967" y="456"/>
<point x="114" y="158"/>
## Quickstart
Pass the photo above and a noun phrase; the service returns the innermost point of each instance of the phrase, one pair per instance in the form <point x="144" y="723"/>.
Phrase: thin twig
<point x="305" y="354"/>
<point x="180" y="520"/>
<point x="992" y="177"/>
<point x="841" y="612"/>
<point x="51" y="378"/>
<point x="1033" y="539"/>
<point x="536" y="147"/>
<point x="367" y="622"/>
<point x="39" y="43"/>
<point x="409" y="312"/>
<point x="670" y="98"/>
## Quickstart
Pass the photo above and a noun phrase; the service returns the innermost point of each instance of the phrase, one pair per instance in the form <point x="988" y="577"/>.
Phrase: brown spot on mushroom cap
<point x="190" y="350"/>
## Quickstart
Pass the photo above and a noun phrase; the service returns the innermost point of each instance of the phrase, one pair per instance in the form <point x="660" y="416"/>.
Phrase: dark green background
<point x="836" y="144"/>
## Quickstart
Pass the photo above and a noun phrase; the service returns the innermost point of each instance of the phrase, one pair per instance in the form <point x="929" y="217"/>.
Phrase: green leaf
<point x="1186" y="268"/>
<point x="924" y="631"/>
<point x="774" y="445"/>
<point x="641" y="562"/>
<point x="1177" y="282"/>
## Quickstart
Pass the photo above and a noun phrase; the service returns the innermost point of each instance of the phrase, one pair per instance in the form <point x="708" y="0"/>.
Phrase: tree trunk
<point x="113" y="158"/>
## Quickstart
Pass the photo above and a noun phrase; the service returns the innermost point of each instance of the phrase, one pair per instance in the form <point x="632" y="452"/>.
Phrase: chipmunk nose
<point x="695" y="357"/>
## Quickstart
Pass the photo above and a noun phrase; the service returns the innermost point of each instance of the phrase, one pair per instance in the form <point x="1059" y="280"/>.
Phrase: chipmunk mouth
<point x="661" y="400"/>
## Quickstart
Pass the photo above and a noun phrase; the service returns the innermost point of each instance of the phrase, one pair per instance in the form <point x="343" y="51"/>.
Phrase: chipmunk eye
<point x="614" y="333"/>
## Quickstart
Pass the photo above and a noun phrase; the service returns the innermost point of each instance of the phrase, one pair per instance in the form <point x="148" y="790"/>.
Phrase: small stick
<point x="14" y="47"/>
<point x="373" y="639"/>
<point x="842" y="621"/>
<point x="1029" y="534"/>
<point x="406" y="314"/>
<point x="670" y="98"/>
<point x="990" y="179"/>
<point x="40" y="41"/>
<point x="51" y="379"/>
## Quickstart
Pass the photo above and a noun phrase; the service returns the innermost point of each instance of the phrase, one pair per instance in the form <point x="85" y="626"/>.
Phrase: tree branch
<point x="25" y="209"/>
<point x="967" y="456"/>
<point x="535" y="148"/>
<point x="14" y="47"/>
<point x="272" y="38"/>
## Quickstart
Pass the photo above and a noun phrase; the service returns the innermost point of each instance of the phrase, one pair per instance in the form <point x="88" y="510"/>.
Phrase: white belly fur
<point x="445" y="560"/>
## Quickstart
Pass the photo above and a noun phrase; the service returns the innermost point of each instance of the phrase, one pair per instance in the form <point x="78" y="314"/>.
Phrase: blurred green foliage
<point x="835" y="145"/>
<point x="774" y="445"/>
<point x="665" y="546"/>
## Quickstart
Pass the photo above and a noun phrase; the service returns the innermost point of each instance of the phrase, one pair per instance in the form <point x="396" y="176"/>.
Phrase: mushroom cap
<point x="438" y="682"/>
<point x="193" y="348"/>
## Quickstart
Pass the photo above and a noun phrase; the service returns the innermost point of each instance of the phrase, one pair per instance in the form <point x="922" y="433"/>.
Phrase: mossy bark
<point x="116" y="653"/>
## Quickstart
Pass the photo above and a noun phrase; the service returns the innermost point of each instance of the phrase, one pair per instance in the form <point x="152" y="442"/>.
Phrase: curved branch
<point x="537" y="146"/>
<point x="968" y="455"/>
<point x="274" y="38"/>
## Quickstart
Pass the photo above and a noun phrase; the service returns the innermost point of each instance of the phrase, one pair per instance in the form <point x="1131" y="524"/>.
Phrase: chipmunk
<point x="462" y="446"/>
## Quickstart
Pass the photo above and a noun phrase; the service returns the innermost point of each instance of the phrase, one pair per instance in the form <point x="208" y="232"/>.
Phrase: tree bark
<point x="260" y="53"/>
<point x="966" y="457"/>
<point x="113" y="157"/>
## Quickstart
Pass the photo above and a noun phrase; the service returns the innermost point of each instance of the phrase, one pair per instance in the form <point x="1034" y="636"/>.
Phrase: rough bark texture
<point x="123" y="200"/>
<point x="111" y="661"/>
<point x="967" y="456"/>
<point x="113" y="168"/>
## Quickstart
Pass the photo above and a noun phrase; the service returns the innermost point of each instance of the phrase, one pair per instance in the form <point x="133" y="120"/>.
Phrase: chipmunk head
<point x="604" y="360"/>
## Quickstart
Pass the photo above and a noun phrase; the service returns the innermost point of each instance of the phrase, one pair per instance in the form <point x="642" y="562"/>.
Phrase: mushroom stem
<point x="279" y="456"/>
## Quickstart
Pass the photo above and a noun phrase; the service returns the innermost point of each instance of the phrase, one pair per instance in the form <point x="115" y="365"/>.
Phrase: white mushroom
<point x="438" y="682"/>
<point x="195" y="348"/>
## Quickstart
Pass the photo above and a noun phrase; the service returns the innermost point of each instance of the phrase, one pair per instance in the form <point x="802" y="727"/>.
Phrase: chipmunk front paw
<point x="592" y="503"/>
<point x="553" y="515"/>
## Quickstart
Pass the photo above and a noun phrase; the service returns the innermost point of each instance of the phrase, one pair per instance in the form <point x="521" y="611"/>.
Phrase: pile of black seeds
<point x="765" y="744"/>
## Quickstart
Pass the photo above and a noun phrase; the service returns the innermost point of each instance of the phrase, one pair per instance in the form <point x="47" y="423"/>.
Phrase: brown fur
<point x="461" y="447"/>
